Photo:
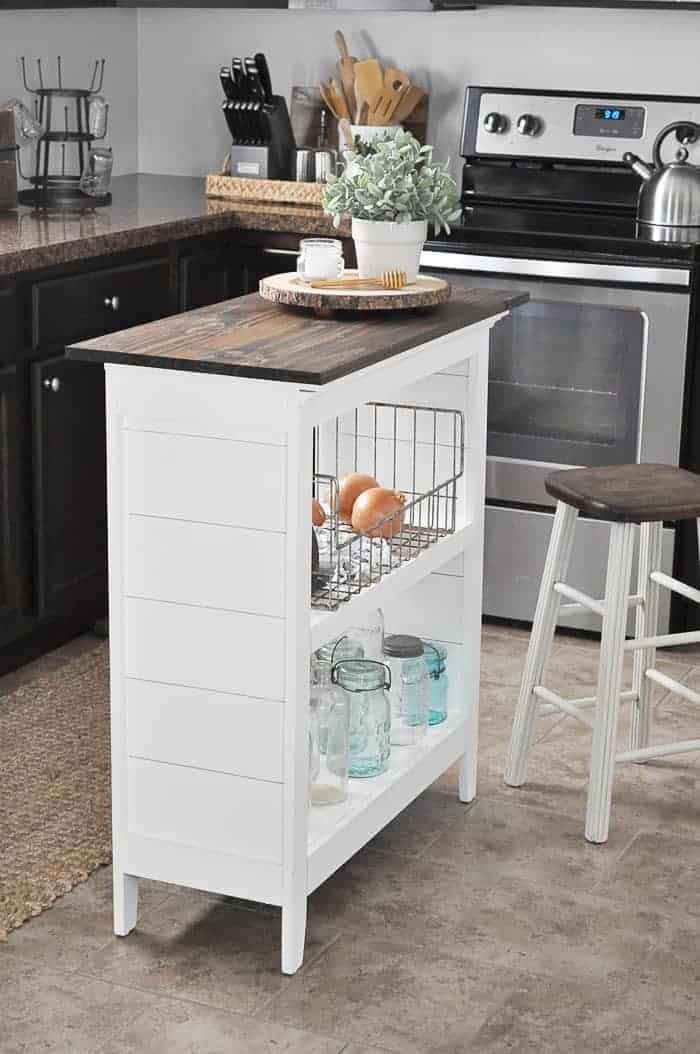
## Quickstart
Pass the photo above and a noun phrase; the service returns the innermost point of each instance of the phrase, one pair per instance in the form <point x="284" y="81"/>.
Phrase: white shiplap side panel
<point x="205" y="564"/>
<point x="199" y="404"/>
<point x="207" y="730"/>
<point x="226" y="873"/>
<point x="209" y="809"/>
<point x="204" y="648"/>
<point x="206" y="480"/>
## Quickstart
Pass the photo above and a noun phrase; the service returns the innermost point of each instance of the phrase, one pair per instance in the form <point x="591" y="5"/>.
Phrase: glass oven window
<point x="565" y="383"/>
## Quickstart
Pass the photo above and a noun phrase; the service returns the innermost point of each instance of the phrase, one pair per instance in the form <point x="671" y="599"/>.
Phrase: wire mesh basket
<point x="415" y="450"/>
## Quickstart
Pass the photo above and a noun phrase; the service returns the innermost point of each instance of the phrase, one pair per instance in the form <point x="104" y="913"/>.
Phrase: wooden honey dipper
<point x="386" y="280"/>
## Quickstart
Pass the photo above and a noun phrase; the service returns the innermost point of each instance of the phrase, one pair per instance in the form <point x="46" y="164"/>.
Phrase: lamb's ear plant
<point x="396" y="181"/>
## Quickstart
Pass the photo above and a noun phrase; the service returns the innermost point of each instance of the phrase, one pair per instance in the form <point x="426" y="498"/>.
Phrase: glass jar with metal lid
<point x="366" y="683"/>
<point x="410" y="688"/>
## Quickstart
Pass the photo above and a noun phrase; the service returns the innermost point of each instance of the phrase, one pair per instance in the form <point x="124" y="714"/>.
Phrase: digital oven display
<point x="610" y="113"/>
<point x="609" y="120"/>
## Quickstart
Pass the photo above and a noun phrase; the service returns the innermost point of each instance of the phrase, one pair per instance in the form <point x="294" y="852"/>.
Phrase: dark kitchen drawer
<point x="87" y="305"/>
<point x="9" y="326"/>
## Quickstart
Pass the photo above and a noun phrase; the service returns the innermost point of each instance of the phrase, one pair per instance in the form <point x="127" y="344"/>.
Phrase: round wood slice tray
<point x="293" y="291"/>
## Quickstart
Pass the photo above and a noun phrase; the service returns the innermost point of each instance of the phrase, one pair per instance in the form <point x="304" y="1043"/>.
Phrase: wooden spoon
<point x="346" y="132"/>
<point x="346" y="72"/>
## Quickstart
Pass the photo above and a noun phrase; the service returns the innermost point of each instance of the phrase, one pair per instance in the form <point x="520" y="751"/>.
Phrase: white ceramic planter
<point x="386" y="246"/>
<point x="367" y="132"/>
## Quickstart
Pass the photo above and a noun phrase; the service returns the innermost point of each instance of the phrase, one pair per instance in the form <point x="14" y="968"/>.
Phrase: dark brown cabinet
<point x="70" y="500"/>
<point x="53" y="523"/>
<point x="13" y="585"/>
<point x="65" y="310"/>
<point x="9" y="326"/>
<point x="209" y="277"/>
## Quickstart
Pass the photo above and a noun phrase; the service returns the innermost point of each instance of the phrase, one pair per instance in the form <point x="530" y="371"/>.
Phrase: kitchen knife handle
<point x="264" y="74"/>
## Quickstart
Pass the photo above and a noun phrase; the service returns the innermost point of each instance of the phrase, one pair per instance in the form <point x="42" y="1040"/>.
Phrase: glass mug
<point x="97" y="173"/>
<point x="98" y="108"/>
<point x="320" y="258"/>
<point x="27" y="128"/>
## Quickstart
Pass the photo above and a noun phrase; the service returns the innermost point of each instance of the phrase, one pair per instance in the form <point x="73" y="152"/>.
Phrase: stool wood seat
<point x="629" y="493"/>
<point x="626" y="495"/>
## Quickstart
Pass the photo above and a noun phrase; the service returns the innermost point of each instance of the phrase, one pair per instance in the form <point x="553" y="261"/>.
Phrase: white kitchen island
<point x="221" y="423"/>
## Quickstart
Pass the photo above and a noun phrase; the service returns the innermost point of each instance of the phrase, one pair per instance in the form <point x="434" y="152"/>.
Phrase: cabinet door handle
<point x="113" y="302"/>
<point x="52" y="383"/>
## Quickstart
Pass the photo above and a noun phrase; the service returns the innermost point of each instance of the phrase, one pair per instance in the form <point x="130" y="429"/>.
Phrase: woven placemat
<point x="55" y="826"/>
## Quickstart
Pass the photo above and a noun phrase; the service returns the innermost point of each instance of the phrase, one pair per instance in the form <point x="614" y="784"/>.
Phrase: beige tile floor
<point x="486" y="929"/>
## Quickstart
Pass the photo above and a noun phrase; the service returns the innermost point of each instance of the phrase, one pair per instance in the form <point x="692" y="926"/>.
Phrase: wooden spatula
<point x="346" y="72"/>
<point x="396" y="84"/>
<point x="408" y="103"/>
<point x="334" y="99"/>
<point x="369" y="82"/>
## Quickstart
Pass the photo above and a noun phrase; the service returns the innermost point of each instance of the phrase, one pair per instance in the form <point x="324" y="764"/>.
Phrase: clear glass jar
<point x="365" y="682"/>
<point x="345" y="647"/>
<point x="410" y="688"/>
<point x="320" y="258"/>
<point x="329" y="783"/>
<point x="435" y="656"/>
<point x="372" y="636"/>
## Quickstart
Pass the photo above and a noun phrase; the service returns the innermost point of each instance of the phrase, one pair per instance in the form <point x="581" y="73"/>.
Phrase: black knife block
<point x="273" y="159"/>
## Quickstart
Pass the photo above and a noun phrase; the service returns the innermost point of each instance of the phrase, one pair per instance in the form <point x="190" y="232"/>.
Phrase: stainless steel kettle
<point x="670" y="194"/>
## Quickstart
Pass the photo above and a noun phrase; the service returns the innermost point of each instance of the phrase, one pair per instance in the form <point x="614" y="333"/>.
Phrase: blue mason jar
<point x="366" y="682"/>
<point x="435" y="656"/>
<point x="410" y="688"/>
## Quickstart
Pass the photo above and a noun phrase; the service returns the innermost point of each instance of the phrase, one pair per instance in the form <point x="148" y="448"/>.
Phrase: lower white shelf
<point x="337" y="832"/>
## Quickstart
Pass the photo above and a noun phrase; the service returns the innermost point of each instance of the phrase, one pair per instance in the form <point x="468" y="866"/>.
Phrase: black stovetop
<point x="564" y="233"/>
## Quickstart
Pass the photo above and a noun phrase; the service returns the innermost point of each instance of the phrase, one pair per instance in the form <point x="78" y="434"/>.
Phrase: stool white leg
<point x="646" y="625"/>
<point x="543" y="627"/>
<point x="617" y="585"/>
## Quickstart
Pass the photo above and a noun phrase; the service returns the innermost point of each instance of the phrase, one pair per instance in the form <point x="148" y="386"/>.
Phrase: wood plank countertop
<point x="250" y="337"/>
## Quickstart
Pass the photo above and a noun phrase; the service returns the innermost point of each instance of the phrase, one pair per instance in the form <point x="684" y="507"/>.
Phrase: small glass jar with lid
<point x="410" y="688"/>
<point x="365" y="684"/>
<point x="436" y="661"/>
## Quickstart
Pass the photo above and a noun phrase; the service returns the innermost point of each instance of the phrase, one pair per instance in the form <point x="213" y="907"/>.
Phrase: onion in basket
<point x="349" y="490"/>
<point x="375" y="505"/>
<point x="318" y="516"/>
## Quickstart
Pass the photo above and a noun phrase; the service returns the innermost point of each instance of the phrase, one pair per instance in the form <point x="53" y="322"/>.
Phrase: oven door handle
<point x="556" y="269"/>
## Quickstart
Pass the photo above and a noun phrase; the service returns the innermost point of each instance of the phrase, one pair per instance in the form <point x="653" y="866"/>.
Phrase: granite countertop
<point x="251" y="337"/>
<point x="146" y="209"/>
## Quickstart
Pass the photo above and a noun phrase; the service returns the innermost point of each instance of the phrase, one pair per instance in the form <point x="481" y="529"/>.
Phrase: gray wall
<point x="181" y="129"/>
<point x="79" y="37"/>
<point x="162" y="63"/>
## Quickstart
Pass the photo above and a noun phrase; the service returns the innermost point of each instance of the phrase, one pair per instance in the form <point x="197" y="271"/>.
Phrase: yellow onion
<point x="349" y="490"/>
<point x="318" y="516"/>
<point x="375" y="505"/>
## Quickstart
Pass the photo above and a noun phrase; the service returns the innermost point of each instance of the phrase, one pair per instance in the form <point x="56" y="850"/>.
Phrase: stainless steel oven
<point x="589" y="371"/>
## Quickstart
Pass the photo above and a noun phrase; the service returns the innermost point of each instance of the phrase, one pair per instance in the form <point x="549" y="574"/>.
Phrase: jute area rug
<point x="54" y="785"/>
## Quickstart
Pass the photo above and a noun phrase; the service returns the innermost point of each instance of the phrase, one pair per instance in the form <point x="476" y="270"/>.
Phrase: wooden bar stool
<point x="626" y="495"/>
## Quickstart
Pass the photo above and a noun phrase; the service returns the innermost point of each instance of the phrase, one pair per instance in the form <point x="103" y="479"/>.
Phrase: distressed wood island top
<point x="248" y="337"/>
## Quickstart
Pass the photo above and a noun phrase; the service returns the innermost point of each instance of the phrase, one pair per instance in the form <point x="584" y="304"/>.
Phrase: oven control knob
<point x="496" y="123"/>
<point x="528" y="124"/>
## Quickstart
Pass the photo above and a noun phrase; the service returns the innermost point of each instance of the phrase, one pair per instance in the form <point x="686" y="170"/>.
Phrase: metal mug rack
<point x="49" y="187"/>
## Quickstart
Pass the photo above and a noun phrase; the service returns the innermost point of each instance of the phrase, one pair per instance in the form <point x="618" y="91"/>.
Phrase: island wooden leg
<point x="126" y="902"/>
